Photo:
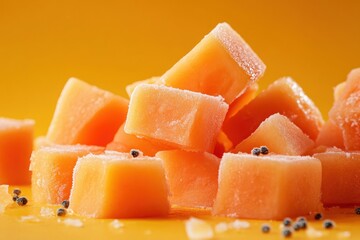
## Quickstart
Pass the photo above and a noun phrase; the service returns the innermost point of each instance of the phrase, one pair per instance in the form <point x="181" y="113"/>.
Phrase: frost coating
<point x="240" y="51"/>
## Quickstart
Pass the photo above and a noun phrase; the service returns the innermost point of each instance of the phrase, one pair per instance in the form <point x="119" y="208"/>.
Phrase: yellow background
<point x="112" y="43"/>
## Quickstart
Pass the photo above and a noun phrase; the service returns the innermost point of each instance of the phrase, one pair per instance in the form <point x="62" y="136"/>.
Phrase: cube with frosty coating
<point x="180" y="118"/>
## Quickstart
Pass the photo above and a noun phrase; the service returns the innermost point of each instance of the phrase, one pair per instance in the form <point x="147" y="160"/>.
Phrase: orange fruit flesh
<point x="16" y="144"/>
<point x="280" y="135"/>
<point x="192" y="177"/>
<point x="193" y="124"/>
<point x="52" y="169"/>
<point x="269" y="187"/>
<point x="131" y="188"/>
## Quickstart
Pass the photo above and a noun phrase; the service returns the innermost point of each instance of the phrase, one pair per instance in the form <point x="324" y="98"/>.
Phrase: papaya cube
<point x="16" y="143"/>
<point x="52" y="168"/>
<point x="283" y="96"/>
<point x="242" y="100"/>
<point x="86" y="115"/>
<point x="124" y="142"/>
<point x="330" y="135"/>
<point x="340" y="178"/>
<point x="280" y="135"/>
<point x="221" y="64"/>
<point x="192" y="177"/>
<point x="115" y="186"/>
<point x="179" y="118"/>
<point x="268" y="187"/>
<point x="345" y="112"/>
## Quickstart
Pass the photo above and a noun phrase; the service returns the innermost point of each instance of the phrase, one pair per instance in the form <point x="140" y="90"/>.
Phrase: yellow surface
<point x="173" y="227"/>
<point x="113" y="43"/>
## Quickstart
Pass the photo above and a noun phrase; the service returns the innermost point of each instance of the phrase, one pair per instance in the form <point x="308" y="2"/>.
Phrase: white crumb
<point x="73" y="222"/>
<point x="116" y="224"/>
<point x="221" y="227"/>
<point x="238" y="224"/>
<point x="47" y="212"/>
<point x="198" y="229"/>
<point x="29" y="218"/>
<point x="345" y="234"/>
<point x="313" y="233"/>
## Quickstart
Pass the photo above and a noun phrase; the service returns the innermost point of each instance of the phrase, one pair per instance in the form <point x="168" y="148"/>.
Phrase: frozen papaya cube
<point x="179" y="118"/>
<point x="16" y="144"/>
<point x="268" y="187"/>
<point x="52" y="167"/>
<point x="221" y="64"/>
<point x="280" y="135"/>
<point x="87" y="115"/>
<point x="118" y="186"/>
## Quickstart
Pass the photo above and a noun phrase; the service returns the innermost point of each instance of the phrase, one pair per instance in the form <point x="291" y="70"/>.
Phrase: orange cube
<point x="179" y="118"/>
<point x="268" y="187"/>
<point x="283" y="96"/>
<point x="86" y="115"/>
<point x="52" y="168"/>
<point x="280" y="135"/>
<point x="192" y="177"/>
<point x="346" y="110"/>
<point x="124" y="142"/>
<point x="340" y="178"/>
<point x="242" y="100"/>
<point x="115" y="186"/>
<point x="221" y="64"/>
<point x="16" y="144"/>
<point x="330" y="135"/>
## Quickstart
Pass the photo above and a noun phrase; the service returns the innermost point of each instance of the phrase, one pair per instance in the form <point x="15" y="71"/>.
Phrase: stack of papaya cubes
<point x="185" y="139"/>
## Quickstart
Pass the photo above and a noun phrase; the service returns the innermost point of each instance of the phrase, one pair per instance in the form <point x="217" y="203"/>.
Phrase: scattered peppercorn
<point x="134" y="153"/>
<point x="264" y="150"/>
<point x="15" y="197"/>
<point x="61" y="212"/>
<point x="65" y="203"/>
<point x="16" y="191"/>
<point x="21" y="201"/>
<point x="265" y="228"/>
<point x="286" y="232"/>
<point x="287" y="222"/>
<point x="297" y="226"/>
<point x="328" y="224"/>
<point x="256" y="151"/>
<point x="318" y="216"/>
<point x="357" y="211"/>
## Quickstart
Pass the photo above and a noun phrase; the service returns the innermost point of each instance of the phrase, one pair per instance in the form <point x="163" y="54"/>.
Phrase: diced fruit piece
<point x="16" y="144"/>
<point x="330" y="135"/>
<point x="268" y="187"/>
<point x="130" y="88"/>
<point x="340" y="177"/>
<point x="242" y="100"/>
<point x="179" y="118"/>
<point x="5" y="197"/>
<point x="192" y="177"/>
<point x="114" y="186"/>
<point x="338" y="90"/>
<point x="346" y="111"/>
<point x="124" y="142"/>
<point x="283" y="96"/>
<point x="221" y="64"/>
<point x="223" y="144"/>
<point x="87" y="115"/>
<point x="52" y="169"/>
<point x="280" y="135"/>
